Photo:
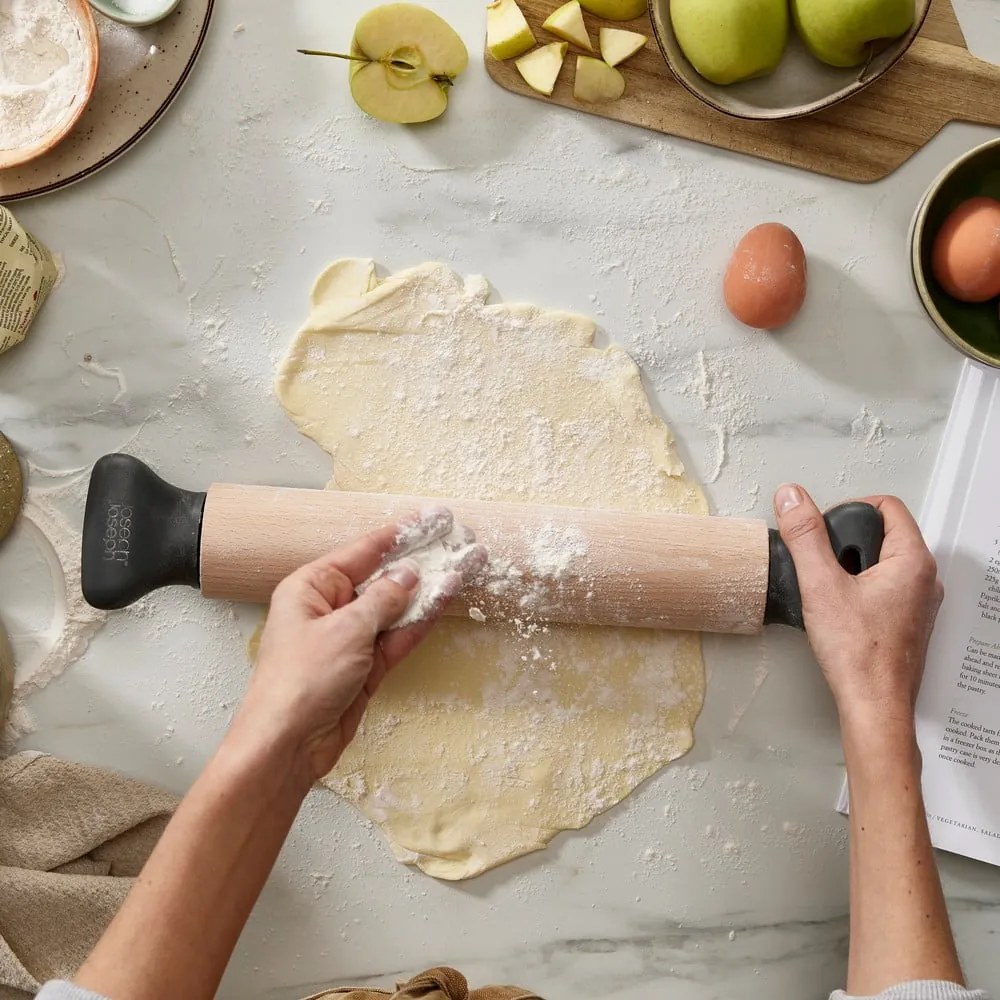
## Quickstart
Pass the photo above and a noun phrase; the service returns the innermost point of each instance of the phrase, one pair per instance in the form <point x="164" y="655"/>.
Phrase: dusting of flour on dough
<point x="508" y="730"/>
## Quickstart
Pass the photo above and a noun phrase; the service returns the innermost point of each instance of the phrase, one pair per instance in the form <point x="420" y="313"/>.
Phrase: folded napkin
<point x="436" y="984"/>
<point x="72" y="840"/>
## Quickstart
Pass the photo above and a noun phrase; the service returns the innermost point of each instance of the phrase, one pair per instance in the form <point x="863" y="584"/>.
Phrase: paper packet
<point x="27" y="273"/>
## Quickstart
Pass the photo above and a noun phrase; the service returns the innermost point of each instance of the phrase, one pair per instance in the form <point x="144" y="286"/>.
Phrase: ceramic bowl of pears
<point x="773" y="59"/>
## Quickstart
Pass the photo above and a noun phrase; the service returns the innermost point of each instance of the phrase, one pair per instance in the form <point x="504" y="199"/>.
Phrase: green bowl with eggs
<point x="972" y="327"/>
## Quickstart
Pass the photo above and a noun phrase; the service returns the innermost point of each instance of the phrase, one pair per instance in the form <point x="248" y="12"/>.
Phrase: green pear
<point x="731" y="40"/>
<point x="841" y="32"/>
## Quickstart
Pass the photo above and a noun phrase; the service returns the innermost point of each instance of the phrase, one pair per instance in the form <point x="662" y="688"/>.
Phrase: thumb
<point x="388" y="597"/>
<point x="803" y="530"/>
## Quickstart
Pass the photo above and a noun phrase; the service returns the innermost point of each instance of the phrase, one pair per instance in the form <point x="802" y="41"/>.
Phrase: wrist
<point x="880" y="742"/>
<point x="274" y="755"/>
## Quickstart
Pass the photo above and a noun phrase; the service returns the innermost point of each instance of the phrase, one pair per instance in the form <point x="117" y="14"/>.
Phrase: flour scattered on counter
<point x="261" y="275"/>
<point x="115" y="374"/>
<point x="175" y="262"/>
<point x="74" y="622"/>
<point x="723" y="386"/>
<point x="722" y="442"/>
<point x="868" y="429"/>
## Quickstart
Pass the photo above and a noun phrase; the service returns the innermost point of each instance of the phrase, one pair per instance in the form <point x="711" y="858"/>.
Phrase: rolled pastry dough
<point x="494" y="737"/>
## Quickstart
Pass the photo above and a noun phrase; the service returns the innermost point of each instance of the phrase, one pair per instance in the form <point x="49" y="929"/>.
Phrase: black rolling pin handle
<point x="139" y="534"/>
<point x="856" y="533"/>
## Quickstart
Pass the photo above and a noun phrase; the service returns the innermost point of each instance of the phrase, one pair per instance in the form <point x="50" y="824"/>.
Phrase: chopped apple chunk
<point x="596" y="81"/>
<point x="617" y="45"/>
<point x="540" y="68"/>
<point x="567" y="23"/>
<point x="508" y="34"/>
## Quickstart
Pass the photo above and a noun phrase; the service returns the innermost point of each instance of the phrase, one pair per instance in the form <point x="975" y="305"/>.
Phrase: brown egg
<point x="765" y="283"/>
<point x="966" y="256"/>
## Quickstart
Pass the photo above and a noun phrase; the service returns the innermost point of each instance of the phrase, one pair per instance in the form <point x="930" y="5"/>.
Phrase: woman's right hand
<point x="326" y="649"/>
<point x="870" y="632"/>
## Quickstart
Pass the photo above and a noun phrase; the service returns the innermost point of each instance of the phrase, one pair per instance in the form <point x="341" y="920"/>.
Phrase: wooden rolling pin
<point x="611" y="567"/>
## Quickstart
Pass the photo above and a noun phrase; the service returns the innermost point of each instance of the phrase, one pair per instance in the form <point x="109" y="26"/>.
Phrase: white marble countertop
<point x="188" y="265"/>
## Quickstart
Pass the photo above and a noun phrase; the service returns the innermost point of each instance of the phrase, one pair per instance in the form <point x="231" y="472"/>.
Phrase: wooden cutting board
<point x="862" y="139"/>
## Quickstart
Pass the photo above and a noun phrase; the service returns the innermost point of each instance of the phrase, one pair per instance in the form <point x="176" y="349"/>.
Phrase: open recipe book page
<point x="958" y="711"/>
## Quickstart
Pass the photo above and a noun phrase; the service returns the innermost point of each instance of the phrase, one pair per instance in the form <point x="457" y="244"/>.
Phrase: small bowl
<point x="801" y="85"/>
<point x="972" y="327"/>
<point x="88" y="31"/>
<point x="163" y="8"/>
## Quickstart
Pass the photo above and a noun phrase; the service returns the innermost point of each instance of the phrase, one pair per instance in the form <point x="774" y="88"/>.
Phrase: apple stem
<point x="394" y="63"/>
<point x="334" y="55"/>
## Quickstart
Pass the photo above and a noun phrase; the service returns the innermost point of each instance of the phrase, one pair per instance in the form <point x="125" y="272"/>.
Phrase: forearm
<point x="899" y="921"/>
<point x="178" y="927"/>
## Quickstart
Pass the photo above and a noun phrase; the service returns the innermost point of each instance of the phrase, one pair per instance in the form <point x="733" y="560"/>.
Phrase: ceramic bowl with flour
<point x="48" y="67"/>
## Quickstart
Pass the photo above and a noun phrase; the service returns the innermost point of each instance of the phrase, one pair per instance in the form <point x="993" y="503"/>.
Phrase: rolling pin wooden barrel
<point x="625" y="568"/>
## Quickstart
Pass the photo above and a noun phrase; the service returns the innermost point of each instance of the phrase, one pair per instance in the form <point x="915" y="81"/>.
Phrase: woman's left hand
<point x="325" y="651"/>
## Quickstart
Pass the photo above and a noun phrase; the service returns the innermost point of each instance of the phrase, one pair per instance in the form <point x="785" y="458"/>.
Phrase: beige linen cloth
<point x="72" y="839"/>
<point x="436" y="984"/>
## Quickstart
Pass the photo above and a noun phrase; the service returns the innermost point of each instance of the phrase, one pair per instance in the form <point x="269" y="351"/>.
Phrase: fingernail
<point x="787" y="498"/>
<point x="405" y="573"/>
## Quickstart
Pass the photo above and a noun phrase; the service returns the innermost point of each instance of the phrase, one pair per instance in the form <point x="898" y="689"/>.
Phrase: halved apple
<point x="617" y="45"/>
<point x="404" y="58"/>
<point x="540" y="68"/>
<point x="508" y="34"/>
<point x="596" y="81"/>
<point x="616" y="10"/>
<point x="567" y="23"/>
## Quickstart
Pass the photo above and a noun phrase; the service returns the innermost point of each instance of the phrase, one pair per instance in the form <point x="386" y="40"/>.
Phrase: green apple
<point x="617" y="45"/>
<point x="731" y="40"/>
<point x="567" y="23"/>
<point x="616" y="10"/>
<point x="596" y="81"/>
<point x="508" y="34"/>
<point x="404" y="58"/>
<point x="841" y="32"/>
<point x="541" y="68"/>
